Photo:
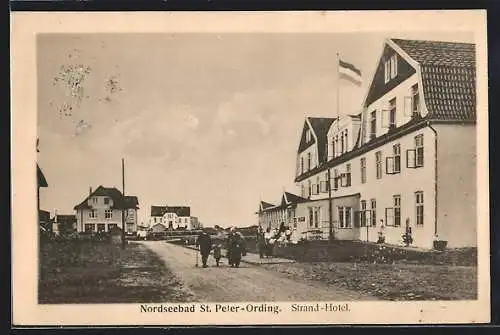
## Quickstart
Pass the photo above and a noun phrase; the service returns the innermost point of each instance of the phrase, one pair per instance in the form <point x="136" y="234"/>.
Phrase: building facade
<point x="406" y="161"/>
<point x="107" y="208"/>
<point x="173" y="217"/>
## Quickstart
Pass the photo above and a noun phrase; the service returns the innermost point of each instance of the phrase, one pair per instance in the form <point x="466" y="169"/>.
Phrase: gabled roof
<point x="448" y="71"/>
<point x="132" y="201"/>
<point x="42" y="182"/>
<point x="264" y="205"/>
<point x="291" y="198"/>
<point x="320" y="127"/>
<point x="178" y="210"/>
<point x="119" y="201"/>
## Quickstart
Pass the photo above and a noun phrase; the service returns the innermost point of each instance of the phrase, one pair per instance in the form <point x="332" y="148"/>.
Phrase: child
<point x="217" y="253"/>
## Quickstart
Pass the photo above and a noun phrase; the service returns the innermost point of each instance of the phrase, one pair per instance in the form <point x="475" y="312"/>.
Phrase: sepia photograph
<point x="258" y="172"/>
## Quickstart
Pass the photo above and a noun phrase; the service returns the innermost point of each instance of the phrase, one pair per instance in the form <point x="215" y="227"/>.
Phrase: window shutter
<point x="389" y="216"/>
<point x="408" y="106"/>
<point x="384" y="118"/>
<point x="389" y="165"/>
<point x="411" y="158"/>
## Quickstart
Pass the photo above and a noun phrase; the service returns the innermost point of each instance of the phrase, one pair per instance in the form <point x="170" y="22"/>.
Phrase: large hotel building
<point x="406" y="159"/>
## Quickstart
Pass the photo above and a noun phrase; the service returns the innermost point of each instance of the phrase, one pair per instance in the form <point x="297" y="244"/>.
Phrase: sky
<point x="210" y="121"/>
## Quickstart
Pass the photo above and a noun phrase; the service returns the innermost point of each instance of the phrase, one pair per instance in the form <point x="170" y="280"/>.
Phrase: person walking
<point x="204" y="243"/>
<point x="217" y="253"/>
<point x="261" y="242"/>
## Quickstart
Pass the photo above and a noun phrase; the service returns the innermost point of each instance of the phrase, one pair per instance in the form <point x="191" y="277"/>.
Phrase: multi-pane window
<point x="363" y="213"/>
<point x="89" y="227"/>
<point x="392" y="113"/>
<point x="95" y="200"/>
<point x="391" y="68"/>
<point x="373" y="125"/>
<point x="348" y="174"/>
<point x="378" y="164"/>
<point x="341" y="217"/>
<point x="93" y="213"/>
<point x="308" y="161"/>
<point x="374" y="212"/>
<point x="316" y="217"/>
<point x="108" y="213"/>
<point x="419" y="150"/>
<point x="396" y="151"/>
<point x="419" y="208"/>
<point x="397" y="210"/>
<point x="311" y="216"/>
<point x="101" y="227"/>
<point x="347" y="220"/>
<point x="394" y="66"/>
<point x="342" y="143"/>
<point x="106" y="201"/>
<point x="335" y="179"/>
<point x="415" y="100"/>
<point x="363" y="170"/>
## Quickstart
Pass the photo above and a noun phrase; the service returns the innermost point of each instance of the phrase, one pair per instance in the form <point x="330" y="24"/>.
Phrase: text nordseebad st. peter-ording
<point x="217" y="308"/>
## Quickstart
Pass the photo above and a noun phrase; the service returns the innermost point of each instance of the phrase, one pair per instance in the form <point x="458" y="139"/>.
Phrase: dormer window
<point x="308" y="135"/>
<point x="391" y="68"/>
<point x="415" y="103"/>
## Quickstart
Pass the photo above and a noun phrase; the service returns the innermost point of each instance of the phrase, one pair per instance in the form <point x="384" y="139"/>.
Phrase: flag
<point x="350" y="72"/>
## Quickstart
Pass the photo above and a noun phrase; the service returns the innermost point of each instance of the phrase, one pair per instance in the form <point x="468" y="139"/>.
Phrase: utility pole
<point x="124" y="202"/>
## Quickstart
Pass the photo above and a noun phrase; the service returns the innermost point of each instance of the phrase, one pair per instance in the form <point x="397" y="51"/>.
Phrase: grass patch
<point x="100" y="272"/>
<point x="391" y="282"/>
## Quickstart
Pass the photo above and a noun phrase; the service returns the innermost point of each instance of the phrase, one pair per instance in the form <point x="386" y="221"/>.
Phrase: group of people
<point x="235" y="246"/>
<point x="267" y="240"/>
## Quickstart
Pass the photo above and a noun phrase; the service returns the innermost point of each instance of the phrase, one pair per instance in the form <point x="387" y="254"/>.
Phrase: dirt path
<point x="247" y="283"/>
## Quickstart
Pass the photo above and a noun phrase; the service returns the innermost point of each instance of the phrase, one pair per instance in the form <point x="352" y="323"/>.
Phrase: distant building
<point x="195" y="223"/>
<point x="63" y="224"/>
<point x="173" y="217"/>
<point x="43" y="220"/>
<point x="103" y="208"/>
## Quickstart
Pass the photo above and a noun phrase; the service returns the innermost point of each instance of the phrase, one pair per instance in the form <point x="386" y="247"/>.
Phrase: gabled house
<point x="272" y="216"/>
<point x="104" y="208"/>
<point x="41" y="182"/>
<point x="172" y="217"/>
<point x="412" y="145"/>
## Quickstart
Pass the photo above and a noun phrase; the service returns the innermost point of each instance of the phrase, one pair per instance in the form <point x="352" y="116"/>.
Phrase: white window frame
<point x="387" y="74"/>
<point x="394" y="66"/>
<point x="392" y="111"/>
<point x="106" y="201"/>
<point x="373" y="124"/>
<point x="378" y="164"/>
<point x="108" y="213"/>
<point x="419" y="150"/>
<point x="415" y="100"/>
<point x="419" y="203"/>
<point x="396" y="199"/>
<point x="373" y="211"/>
<point x="93" y="214"/>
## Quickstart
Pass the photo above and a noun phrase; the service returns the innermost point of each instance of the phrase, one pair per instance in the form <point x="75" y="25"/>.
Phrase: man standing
<point x="204" y="242"/>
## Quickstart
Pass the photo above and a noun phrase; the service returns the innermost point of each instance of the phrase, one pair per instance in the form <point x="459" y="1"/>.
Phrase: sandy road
<point x="247" y="283"/>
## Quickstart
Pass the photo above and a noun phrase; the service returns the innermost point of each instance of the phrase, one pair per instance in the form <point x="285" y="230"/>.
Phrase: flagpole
<point x="338" y="90"/>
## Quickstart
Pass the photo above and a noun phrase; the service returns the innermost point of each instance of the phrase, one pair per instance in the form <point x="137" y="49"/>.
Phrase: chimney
<point x="90" y="190"/>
